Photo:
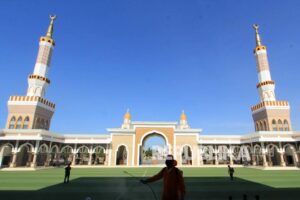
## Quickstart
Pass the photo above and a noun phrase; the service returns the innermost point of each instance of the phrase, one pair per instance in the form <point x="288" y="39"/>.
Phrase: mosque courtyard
<point x="116" y="183"/>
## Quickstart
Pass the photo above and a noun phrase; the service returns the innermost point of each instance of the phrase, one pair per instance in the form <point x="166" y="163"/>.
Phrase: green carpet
<point x="113" y="184"/>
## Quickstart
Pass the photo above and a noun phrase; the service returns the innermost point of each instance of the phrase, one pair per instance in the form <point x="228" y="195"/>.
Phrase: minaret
<point x="33" y="111"/>
<point x="127" y="120"/>
<point x="183" y="121"/>
<point x="269" y="114"/>
<point x="38" y="81"/>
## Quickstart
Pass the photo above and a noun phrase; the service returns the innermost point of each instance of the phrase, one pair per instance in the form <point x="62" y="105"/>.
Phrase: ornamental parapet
<point x="269" y="103"/>
<point x="265" y="83"/>
<point x="33" y="76"/>
<point x="32" y="99"/>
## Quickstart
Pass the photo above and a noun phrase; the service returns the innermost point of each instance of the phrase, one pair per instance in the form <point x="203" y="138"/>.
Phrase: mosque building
<point x="27" y="142"/>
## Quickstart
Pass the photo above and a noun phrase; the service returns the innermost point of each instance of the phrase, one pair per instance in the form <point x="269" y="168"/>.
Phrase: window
<point x="265" y="125"/>
<point x="286" y="125"/>
<point x="12" y="123"/>
<point x="274" y="125"/>
<point x="19" y="123"/>
<point x="256" y="126"/>
<point x="42" y="124"/>
<point x="262" y="126"/>
<point x="280" y="125"/>
<point x="26" y="122"/>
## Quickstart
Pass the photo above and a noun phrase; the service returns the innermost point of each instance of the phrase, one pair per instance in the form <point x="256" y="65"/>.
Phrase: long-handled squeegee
<point x="131" y="175"/>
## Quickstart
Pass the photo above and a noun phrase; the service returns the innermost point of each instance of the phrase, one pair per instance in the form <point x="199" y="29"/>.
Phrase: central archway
<point x="153" y="149"/>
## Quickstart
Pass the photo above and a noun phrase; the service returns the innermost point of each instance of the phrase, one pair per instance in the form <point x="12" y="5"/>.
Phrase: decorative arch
<point x="265" y="125"/>
<point x="25" y="122"/>
<point x="290" y="155"/>
<point x="65" y="147"/>
<point x="280" y="125"/>
<point x="12" y="122"/>
<point x="30" y="148"/>
<point x="43" y="148"/>
<point x="19" y="123"/>
<point x="286" y="126"/>
<point x="6" y="154"/>
<point x="54" y="147"/>
<point x="120" y="155"/>
<point x="99" y="155"/>
<point x="274" y="125"/>
<point x="262" y="128"/>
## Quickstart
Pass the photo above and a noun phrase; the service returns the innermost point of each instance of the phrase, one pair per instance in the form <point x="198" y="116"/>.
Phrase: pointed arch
<point x="274" y="125"/>
<point x="280" y="125"/>
<point x="19" y="123"/>
<point x="25" y="122"/>
<point x="286" y="126"/>
<point x="12" y="122"/>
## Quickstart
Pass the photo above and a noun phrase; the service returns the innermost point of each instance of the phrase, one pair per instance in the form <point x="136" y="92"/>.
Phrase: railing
<point x="269" y="103"/>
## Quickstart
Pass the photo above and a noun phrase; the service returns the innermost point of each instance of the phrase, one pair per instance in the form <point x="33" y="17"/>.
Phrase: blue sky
<point x="154" y="57"/>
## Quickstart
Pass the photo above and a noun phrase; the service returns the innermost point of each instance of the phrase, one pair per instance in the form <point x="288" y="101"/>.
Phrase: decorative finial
<point x="258" y="41"/>
<point x="127" y="115"/>
<point x="183" y="116"/>
<point x="50" y="28"/>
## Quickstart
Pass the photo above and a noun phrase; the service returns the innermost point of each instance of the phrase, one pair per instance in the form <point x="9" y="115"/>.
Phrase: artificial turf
<point x="114" y="184"/>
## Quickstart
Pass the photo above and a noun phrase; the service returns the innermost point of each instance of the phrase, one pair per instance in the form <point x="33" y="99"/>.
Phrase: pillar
<point x="253" y="157"/>
<point x="33" y="163"/>
<point x="200" y="157"/>
<point x="90" y="159"/>
<point x="14" y="159"/>
<point x="282" y="162"/>
<point x="48" y="160"/>
<point x="265" y="164"/>
<point x="74" y="159"/>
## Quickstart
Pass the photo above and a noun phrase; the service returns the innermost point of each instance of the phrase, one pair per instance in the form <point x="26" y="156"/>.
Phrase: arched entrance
<point x="98" y="157"/>
<point x="273" y="156"/>
<point x="42" y="155"/>
<point x="24" y="156"/>
<point x="290" y="155"/>
<point x="153" y="150"/>
<point x="5" y="155"/>
<point x="121" y="155"/>
<point x="66" y="155"/>
<point x="82" y="156"/>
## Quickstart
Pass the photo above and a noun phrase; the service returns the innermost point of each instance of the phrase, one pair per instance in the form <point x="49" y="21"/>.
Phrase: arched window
<point x="274" y="125"/>
<point x="265" y="125"/>
<point x="37" y="123"/>
<point x="286" y="125"/>
<point x="19" y="123"/>
<point x="12" y="123"/>
<point x="262" y="126"/>
<point x="256" y="126"/>
<point x="280" y="125"/>
<point x="46" y="125"/>
<point x="26" y="122"/>
<point x="42" y="124"/>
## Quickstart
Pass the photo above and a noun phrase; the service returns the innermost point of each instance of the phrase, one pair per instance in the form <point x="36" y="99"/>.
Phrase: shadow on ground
<point x="123" y="188"/>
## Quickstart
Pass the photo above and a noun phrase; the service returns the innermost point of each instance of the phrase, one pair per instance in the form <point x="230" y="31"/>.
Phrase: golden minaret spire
<point x="258" y="41"/>
<point x="50" y="28"/>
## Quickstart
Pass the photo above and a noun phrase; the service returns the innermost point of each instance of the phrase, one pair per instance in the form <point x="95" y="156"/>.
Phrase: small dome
<point x="183" y="116"/>
<point x="127" y="115"/>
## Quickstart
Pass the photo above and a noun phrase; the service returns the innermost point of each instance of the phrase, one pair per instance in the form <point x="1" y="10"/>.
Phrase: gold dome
<point x="127" y="115"/>
<point x="183" y="116"/>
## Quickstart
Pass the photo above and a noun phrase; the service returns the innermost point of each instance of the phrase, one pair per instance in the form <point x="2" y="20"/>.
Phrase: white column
<point x="282" y="162"/>
<point x="14" y="159"/>
<point x="33" y="163"/>
<point x="216" y="156"/>
<point x="200" y="159"/>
